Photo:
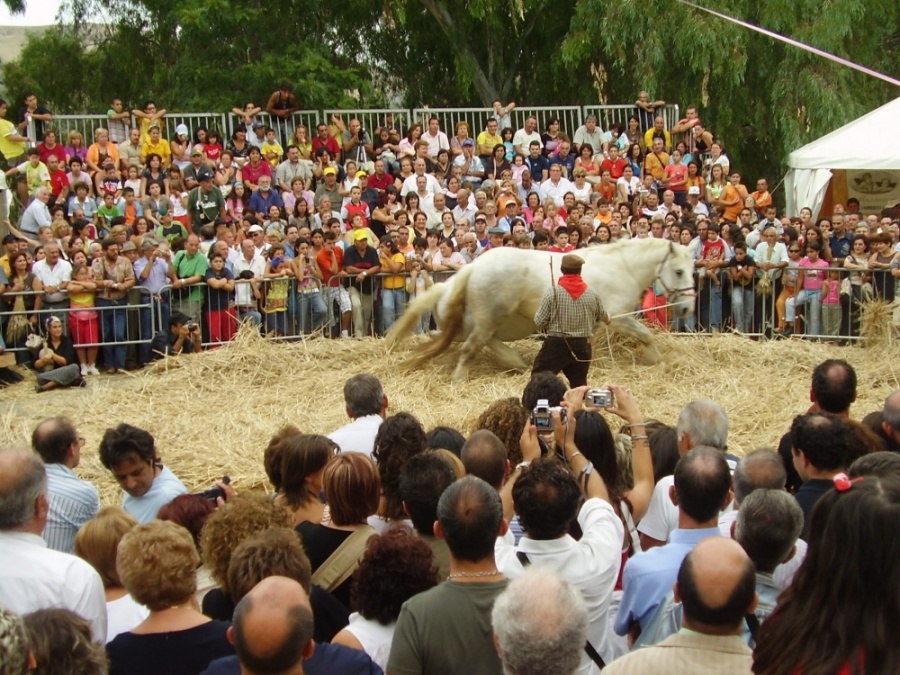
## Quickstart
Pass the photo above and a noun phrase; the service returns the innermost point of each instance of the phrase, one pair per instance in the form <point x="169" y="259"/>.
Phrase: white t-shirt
<point x="123" y="615"/>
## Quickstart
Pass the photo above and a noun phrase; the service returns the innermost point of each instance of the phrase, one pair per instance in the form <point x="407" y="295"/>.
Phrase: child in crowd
<point x="84" y="324"/>
<point x="129" y="207"/>
<point x="418" y="283"/>
<point x="278" y="270"/>
<point x="831" y="303"/>
<point x="220" y="318"/>
<point x="109" y="181"/>
<point x="105" y="214"/>
<point x="561" y="242"/>
<point x="133" y="181"/>
<point x="271" y="148"/>
<point x="507" y="136"/>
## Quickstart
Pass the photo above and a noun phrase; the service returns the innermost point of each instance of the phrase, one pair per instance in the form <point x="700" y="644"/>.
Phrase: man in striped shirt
<point x="73" y="501"/>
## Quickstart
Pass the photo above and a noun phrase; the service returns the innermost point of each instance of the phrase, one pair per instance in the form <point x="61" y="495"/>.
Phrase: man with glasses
<point x="73" y="501"/>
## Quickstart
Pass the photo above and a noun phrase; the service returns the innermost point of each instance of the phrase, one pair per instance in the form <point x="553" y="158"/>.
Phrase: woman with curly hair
<point x="397" y="565"/>
<point x="505" y="418"/>
<point x="230" y="524"/>
<point x="399" y="437"/>
<point x="61" y="644"/>
<point x="158" y="563"/>
<point x="303" y="461"/>
<point x="837" y="615"/>
<point x="191" y="511"/>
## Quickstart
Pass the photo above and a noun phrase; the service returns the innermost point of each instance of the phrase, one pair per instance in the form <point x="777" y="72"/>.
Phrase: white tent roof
<point x="869" y="142"/>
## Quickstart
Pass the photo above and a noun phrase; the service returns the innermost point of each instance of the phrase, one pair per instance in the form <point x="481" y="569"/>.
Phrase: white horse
<point x="494" y="299"/>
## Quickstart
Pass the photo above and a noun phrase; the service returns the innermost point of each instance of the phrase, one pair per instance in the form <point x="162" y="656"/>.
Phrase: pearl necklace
<point x="460" y="575"/>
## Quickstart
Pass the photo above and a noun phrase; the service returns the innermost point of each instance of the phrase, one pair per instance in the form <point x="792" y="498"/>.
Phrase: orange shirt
<point x="656" y="164"/>
<point x="762" y="199"/>
<point x="731" y="194"/>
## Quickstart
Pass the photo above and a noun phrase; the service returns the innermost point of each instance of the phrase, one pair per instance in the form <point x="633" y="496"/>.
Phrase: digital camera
<point x="599" y="398"/>
<point x="215" y="492"/>
<point x="541" y="416"/>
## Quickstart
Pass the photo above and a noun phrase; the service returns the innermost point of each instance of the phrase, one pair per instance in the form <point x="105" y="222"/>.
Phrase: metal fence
<point x="570" y="118"/>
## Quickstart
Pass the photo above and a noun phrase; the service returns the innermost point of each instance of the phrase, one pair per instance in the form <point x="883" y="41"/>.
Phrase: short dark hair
<point x="834" y="385"/>
<point x="422" y="482"/>
<point x="729" y="614"/>
<point x="822" y="437"/>
<point x="470" y="513"/>
<point x="881" y="463"/>
<point x="546" y="498"/>
<point x="52" y="437"/>
<point x="543" y="384"/>
<point x="446" y="438"/>
<point x="120" y="443"/>
<point x="702" y="481"/>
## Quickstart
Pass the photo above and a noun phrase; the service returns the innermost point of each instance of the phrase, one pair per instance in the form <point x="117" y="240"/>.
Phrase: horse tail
<point x="413" y="312"/>
<point x="451" y="320"/>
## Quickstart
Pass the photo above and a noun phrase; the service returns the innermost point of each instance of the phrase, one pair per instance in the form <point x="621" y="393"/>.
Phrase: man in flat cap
<point x="568" y="313"/>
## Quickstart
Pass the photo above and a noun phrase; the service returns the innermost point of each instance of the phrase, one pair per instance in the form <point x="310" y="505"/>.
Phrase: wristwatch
<point x="523" y="464"/>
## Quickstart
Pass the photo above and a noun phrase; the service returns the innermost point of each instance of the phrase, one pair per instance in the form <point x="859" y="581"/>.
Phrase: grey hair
<point x="363" y="395"/>
<point x="540" y="622"/>
<point x="891" y="410"/>
<point x="768" y="524"/>
<point x="41" y="191"/>
<point x="705" y="422"/>
<point x="19" y="491"/>
<point x="590" y="117"/>
<point x="759" y="469"/>
<point x="14" y="649"/>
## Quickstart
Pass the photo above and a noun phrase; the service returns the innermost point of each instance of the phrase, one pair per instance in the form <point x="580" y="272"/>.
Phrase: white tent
<point x="869" y="142"/>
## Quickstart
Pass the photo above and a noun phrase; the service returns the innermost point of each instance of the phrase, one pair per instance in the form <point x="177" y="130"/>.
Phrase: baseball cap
<point x="693" y="190"/>
<point x="163" y="211"/>
<point x="361" y="173"/>
<point x="359" y="234"/>
<point x="181" y="130"/>
<point x="477" y="218"/>
<point x="496" y="230"/>
<point x="468" y="142"/>
<point x="128" y="246"/>
<point x="197" y="150"/>
<point x="254" y="228"/>
<point x="204" y="174"/>
<point x="330" y="170"/>
<point x="258" y="125"/>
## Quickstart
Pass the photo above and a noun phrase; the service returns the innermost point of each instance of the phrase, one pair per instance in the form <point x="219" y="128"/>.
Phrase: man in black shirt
<point x="178" y="339"/>
<point x="361" y="264"/>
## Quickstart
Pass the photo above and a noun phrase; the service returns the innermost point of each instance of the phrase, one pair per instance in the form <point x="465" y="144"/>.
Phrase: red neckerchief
<point x="574" y="285"/>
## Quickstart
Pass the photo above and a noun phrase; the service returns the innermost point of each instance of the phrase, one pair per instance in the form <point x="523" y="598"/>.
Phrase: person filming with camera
<point x="568" y="313"/>
<point x="182" y="337"/>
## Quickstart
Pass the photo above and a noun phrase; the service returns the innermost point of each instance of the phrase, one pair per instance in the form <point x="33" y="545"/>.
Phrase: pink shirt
<point x="813" y="278"/>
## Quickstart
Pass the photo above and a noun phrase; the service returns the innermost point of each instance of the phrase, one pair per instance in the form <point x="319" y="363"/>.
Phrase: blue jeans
<point x="250" y="314"/>
<point x="310" y="311"/>
<point x="710" y="306"/>
<point x="393" y="302"/>
<point x="112" y="327"/>
<point x="813" y="314"/>
<point x="742" y="307"/>
<point x="152" y="321"/>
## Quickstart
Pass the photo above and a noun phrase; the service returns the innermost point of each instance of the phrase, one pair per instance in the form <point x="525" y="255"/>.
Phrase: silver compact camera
<point x="599" y="398"/>
<point x="541" y="418"/>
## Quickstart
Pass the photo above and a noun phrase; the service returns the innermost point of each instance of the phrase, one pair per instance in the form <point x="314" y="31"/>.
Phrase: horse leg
<point x="628" y="325"/>
<point x="507" y="357"/>
<point x="478" y="338"/>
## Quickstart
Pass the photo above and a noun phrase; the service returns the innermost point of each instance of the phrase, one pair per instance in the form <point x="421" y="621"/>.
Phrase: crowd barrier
<point x="317" y="312"/>
<point x="570" y="117"/>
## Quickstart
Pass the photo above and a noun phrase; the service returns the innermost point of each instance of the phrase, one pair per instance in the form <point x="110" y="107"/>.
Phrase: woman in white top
<point x="628" y="185"/>
<point x="583" y="189"/>
<point x="396" y="566"/>
<point x="97" y="542"/>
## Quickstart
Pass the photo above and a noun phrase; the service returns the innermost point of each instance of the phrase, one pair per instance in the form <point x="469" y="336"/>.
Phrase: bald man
<point x="273" y="628"/>
<point x="716" y="586"/>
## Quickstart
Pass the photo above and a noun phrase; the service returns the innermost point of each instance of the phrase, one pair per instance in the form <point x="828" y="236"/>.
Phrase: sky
<point x="37" y="13"/>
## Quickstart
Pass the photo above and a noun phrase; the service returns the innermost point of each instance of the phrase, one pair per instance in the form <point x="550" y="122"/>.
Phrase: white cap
<point x="693" y="190"/>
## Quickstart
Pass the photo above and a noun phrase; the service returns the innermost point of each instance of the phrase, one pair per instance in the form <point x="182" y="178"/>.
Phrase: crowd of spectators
<point x="335" y="229"/>
<point x="383" y="548"/>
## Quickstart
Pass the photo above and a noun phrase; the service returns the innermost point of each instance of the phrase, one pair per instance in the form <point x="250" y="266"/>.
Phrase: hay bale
<point x="213" y="413"/>
<point x="876" y="323"/>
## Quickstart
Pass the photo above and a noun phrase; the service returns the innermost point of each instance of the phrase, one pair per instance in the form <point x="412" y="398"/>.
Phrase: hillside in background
<point x="12" y="39"/>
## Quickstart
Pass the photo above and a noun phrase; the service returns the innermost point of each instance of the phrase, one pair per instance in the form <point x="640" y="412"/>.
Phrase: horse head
<point x="676" y="277"/>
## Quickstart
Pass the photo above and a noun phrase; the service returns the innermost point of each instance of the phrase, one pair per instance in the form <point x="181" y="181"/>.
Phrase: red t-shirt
<point x="58" y="151"/>
<point x="330" y="144"/>
<point x="382" y="183"/>
<point x="58" y="180"/>
<point x="616" y="169"/>
<point x="213" y="152"/>
<point x="251" y="174"/>
<point x="324" y="260"/>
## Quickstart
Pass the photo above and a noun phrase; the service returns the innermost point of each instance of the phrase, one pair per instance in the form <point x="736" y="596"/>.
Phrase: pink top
<point x="832" y="295"/>
<point x="814" y="278"/>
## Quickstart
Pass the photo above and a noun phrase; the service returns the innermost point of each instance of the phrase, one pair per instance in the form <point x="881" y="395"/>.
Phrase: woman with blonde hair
<point x="97" y="542"/>
<point x="157" y="562"/>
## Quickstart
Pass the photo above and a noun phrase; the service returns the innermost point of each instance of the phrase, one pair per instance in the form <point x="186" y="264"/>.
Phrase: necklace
<point x="486" y="573"/>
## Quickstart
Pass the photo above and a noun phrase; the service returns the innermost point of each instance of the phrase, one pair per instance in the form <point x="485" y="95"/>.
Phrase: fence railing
<point x="570" y="117"/>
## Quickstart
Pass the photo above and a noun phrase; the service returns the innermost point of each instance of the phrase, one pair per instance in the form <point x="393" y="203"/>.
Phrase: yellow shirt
<point x="272" y="148"/>
<point x="648" y="138"/>
<point x="395" y="281"/>
<point x="161" y="148"/>
<point x="10" y="149"/>
<point x="484" y="138"/>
